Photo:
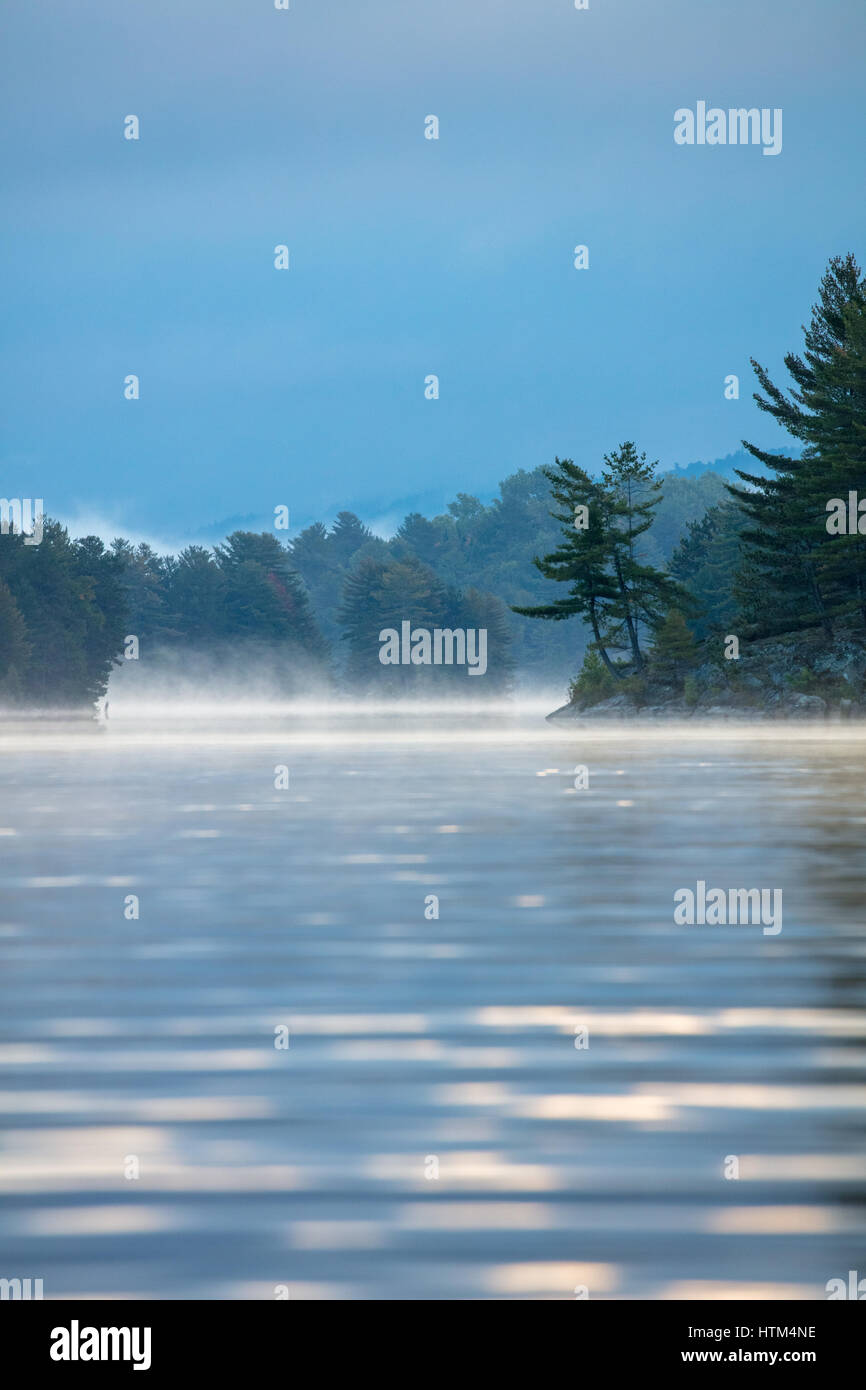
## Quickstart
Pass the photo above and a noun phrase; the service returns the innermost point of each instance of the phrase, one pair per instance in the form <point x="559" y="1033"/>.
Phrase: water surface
<point x="431" y="1131"/>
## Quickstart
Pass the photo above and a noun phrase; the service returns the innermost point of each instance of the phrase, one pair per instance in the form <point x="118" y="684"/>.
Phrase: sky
<point x="408" y="257"/>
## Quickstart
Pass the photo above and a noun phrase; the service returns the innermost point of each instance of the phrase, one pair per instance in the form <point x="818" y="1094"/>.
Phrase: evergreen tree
<point x="347" y="535"/>
<point x="484" y="611"/>
<point x="582" y="558"/>
<point x="603" y="523"/>
<point x="362" y="618"/>
<point x="631" y="493"/>
<point x="594" y="681"/>
<point x="14" y="646"/>
<point x="706" y="563"/>
<point x="265" y="598"/>
<point x="71" y="599"/>
<point x="314" y="556"/>
<point x="382" y="594"/>
<point x="310" y="552"/>
<point x="683" y="499"/>
<point x="674" y="651"/>
<point x="324" y="558"/>
<point x="791" y="582"/>
<point x="100" y="575"/>
<point x="195" y="596"/>
<point x="421" y="537"/>
<point x="839" y="440"/>
<point x="144" y="576"/>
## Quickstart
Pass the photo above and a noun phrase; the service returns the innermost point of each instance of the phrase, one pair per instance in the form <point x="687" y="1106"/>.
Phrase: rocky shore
<point x="799" y="677"/>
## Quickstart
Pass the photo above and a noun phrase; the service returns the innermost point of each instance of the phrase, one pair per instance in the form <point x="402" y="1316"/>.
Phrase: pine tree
<point x="100" y="575"/>
<point x="14" y="645"/>
<point x="479" y="610"/>
<point x="593" y="683"/>
<point x="311" y="554"/>
<point x="144" y="576"/>
<point x="674" y="651"/>
<point x="70" y="596"/>
<point x="706" y="562"/>
<point x="382" y="594"/>
<point x="347" y="535"/>
<point x="645" y="593"/>
<point x="421" y="537"/>
<point x="265" y="598"/>
<point x="315" y="556"/>
<point x="791" y="582"/>
<point x="195" y="595"/>
<point x="582" y="558"/>
<point x="839" y="440"/>
<point x="603" y="522"/>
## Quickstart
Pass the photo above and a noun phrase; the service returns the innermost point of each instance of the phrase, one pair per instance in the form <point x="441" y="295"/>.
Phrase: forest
<point x="654" y="569"/>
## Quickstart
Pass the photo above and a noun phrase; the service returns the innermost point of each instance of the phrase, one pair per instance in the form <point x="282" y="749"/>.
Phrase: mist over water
<point x="415" y="1038"/>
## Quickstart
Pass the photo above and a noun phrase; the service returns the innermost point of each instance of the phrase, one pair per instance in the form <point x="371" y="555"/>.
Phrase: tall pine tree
<point x="610" y="585"/>
<point x="582" y="558"/>
<point x="631" y="494"/>
<point x="791" y="581"/>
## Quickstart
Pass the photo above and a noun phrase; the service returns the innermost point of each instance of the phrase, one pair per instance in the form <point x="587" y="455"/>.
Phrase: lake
<point x="334" y="1003"/>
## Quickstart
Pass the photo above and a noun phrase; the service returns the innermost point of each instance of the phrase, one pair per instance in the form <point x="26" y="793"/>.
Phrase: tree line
<point x="785" y="551"/>
<point x="68" y="609"/>
<point x="309" y="608"/>
<point x="654" y="571"/>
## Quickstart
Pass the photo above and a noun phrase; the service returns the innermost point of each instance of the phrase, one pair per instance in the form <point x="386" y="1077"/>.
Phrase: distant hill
<point x="384" y="514"/>
<point x="724" y="467"/>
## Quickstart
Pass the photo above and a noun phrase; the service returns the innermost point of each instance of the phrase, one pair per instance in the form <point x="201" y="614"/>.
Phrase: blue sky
<point x="408" y="256"/>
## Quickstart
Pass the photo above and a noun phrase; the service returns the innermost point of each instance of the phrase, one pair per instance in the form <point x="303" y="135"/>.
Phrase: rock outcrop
<point x="797" y="677"/>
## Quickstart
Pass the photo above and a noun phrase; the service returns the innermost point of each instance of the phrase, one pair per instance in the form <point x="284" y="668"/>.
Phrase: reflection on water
<point x="423" y="1045"/>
